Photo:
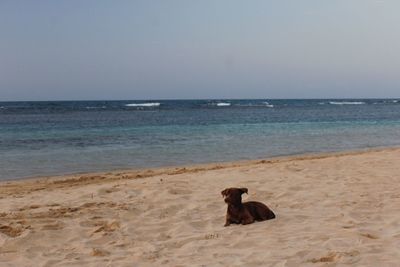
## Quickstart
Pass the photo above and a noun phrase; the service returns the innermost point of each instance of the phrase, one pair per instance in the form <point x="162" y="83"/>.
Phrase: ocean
<point x="64" y="137"/>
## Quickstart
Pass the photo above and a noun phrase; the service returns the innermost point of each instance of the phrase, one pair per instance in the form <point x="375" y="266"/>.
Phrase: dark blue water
<point x="48" y="138"/>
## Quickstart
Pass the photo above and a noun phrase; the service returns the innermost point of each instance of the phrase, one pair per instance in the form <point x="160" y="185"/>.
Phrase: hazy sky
<point x="166" y="49"/>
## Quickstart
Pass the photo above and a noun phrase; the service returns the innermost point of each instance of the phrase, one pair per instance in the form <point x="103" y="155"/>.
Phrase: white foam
<point x="268" y="104"/>
<point x="346" y="103"/>
<point x="223" y="104"/>
<point x="154" y="104"/>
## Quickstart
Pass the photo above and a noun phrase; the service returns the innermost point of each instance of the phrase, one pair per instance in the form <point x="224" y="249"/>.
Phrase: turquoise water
<point x="49" y="138"/>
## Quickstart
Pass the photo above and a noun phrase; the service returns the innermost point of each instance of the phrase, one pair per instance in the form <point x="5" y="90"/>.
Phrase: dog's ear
<point x="225" y="192"/>
<point x="244" y="190"/>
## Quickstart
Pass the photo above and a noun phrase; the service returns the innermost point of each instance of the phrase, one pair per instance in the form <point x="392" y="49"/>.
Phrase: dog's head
<point x="233" y="195"/>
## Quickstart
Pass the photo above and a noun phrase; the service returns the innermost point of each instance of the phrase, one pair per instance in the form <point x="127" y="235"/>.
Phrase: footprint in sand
<point x="330" y="257"/>
<point x="97" y="252"/>
<point x="54" y="226"/>
<point x="369" y="235"/>
<point x="11" y="231"/>
<point x="108" y="227"/>
<point x="334" y="256"/>
<point x="108" y="190"/>
<point x="31" y="207"/>
<point x="163" y="237"/>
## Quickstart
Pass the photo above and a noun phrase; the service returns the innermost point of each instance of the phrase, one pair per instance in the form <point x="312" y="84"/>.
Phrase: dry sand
<point x="332" y="210"/>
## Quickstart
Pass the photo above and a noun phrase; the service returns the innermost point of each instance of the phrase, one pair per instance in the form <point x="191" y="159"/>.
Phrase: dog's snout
<point x="227" y="199"/>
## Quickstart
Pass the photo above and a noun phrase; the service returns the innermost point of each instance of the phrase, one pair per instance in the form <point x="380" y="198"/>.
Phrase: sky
<point x="158" y="49"/>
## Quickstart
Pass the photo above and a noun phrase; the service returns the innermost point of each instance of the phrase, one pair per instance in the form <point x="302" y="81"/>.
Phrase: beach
<point x="332" y="210"/>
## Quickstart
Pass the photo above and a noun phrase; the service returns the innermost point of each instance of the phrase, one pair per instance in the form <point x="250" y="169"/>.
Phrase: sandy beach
<point x="332" y="210"/>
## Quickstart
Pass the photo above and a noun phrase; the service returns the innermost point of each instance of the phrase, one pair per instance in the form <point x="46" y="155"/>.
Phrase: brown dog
<point x="244" y="213"/>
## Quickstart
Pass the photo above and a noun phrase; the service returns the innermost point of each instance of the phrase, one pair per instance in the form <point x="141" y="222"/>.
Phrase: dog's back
<point x="259" y="211"/>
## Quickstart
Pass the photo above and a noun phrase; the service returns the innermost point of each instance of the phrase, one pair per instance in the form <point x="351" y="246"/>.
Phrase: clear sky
<point x="167" y="49"/>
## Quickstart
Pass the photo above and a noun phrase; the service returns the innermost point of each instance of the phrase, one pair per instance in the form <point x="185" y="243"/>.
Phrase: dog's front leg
<point x="227" y="221"/>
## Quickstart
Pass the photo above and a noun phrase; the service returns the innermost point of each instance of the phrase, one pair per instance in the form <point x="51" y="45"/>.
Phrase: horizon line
<point x="201" y="99"/>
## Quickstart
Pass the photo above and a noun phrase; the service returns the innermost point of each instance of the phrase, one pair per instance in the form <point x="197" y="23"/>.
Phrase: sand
<point x="332" y="210"/>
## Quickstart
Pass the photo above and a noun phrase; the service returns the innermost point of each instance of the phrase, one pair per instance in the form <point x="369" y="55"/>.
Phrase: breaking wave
<point x="223" y="104"/>
<point x="346" y="103"/>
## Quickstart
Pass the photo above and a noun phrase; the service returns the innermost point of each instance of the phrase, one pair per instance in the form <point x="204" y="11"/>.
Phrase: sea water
<point x="51" y="138"/>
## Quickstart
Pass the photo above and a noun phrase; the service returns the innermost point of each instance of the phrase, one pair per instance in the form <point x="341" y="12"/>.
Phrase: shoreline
<point x="179" y="169"/>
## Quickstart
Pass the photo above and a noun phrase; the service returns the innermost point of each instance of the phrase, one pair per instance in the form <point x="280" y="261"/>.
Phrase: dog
<point x="244" y="213"/>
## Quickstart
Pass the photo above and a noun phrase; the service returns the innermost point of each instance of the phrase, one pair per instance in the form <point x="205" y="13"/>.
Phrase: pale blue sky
<point x="72" y="49"/>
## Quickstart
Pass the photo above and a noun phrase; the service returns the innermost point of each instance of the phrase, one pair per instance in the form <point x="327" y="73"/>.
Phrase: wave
<point x="346" y="103"/>
<point x="227" y="104"/>
<point x="152" y="104"/>
<point x="262" y="104"/>
<point x="268" y="104"/>
<point x="391" y="101"/>
<point x="223" y="104"/>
